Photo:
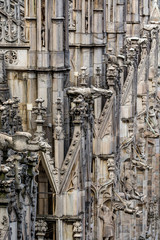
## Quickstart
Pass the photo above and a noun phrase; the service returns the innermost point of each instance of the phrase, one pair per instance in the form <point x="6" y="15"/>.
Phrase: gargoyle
<point x="91" y="92"/>
<point x="22" y="142"/>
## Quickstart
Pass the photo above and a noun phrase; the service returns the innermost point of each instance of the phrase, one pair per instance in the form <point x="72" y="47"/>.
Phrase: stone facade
<point x="79" y="119"/>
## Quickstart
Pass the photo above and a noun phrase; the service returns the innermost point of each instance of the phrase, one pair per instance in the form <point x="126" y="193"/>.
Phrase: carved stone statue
<point x="141" y="164"/>
<point x="111" y="168"/>
<point x="128" y="180"/>
<point x="70" y="12"/>
<point x="126" y="206"/>
<point x="140" y="138"/>
<point x="108" y="222"/>
<point x="153" y="120"/>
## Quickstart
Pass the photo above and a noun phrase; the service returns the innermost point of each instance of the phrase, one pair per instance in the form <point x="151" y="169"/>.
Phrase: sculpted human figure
<point x="111" y="168"/>
<point x="70" y="12"/>
<point x="128" y="179"/>
<point x="108" y="222"/>
<point x="127" y="206"/>
<point x="153" y="120"/>
<point x="140" y="137"/>
<point x="141" y="164"/>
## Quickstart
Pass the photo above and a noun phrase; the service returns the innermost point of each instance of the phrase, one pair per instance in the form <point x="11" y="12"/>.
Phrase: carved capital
<point x="40" y="228"/>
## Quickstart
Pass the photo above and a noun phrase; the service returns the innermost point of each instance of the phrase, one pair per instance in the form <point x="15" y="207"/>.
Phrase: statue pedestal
<point x="40" y="236"/>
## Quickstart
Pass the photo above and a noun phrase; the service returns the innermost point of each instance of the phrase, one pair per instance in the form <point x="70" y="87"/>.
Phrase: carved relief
<point x="11" y="57"/>
<point x="12" y="28"/>
<point x="40" y="228"/>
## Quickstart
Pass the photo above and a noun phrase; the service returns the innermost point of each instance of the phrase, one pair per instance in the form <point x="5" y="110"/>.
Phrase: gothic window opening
<point x="78" y="4"/>
<point x="86" y="16"/>
<point x="111" y="11"/>
<point x="51" y="231"/>
<point x="44" y="194"/>
<point x="43" y="22"/>
<point x="98" y="4"/>
<point x="129" y="7"/>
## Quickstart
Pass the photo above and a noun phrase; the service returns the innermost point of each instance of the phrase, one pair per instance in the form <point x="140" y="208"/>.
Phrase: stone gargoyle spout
<point x="91" y="92"/>
<point x="22" y="142"/>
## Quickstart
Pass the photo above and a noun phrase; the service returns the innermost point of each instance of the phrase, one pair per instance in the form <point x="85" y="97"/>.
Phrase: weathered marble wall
<point x="95" y="64"/>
